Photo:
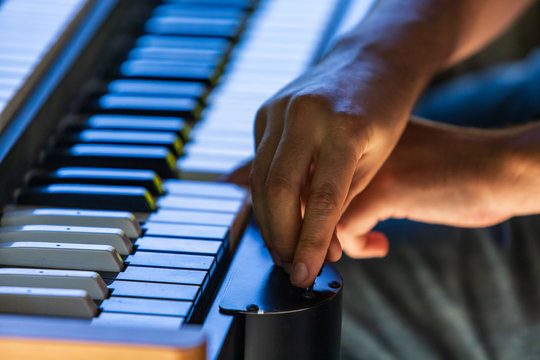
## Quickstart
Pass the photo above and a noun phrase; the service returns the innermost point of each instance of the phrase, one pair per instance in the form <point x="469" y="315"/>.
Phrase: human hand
<point x="320" y="141"/>
<point x="437" y="174"/>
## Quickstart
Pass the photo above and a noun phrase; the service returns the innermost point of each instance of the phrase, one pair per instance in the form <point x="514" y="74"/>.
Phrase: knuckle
<point x="351" y="131"/>
<point x="278" y="188"/>
<point x="307" y="103"/>
<point x="324" y="200"/>
<point x="313" y="244"/>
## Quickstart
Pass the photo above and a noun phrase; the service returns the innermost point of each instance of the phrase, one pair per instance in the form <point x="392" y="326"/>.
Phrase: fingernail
<point x="275" y="258"/>
<point x="299" y="274"/>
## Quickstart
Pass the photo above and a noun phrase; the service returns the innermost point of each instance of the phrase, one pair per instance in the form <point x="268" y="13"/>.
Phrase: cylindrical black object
<point x="310" y="333"/>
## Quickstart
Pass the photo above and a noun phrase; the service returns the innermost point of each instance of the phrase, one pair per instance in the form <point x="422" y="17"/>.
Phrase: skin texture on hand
<point x="317" y="150"/>
<point x="323" y="137"/>
<point x="446" y="175"/>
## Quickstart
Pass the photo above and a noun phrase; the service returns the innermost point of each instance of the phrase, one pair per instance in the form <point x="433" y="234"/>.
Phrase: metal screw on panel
<point x="308" y="295"/>
<point x="334" y="285"/>
<point x="252" y="307"/>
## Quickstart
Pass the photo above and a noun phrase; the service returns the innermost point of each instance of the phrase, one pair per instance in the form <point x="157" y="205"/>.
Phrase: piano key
<point x="123" y="137"/>
<point x="187" y="89"/>
<point x="101" y="197"/>
<point x="89" y="281"/>
<point x="160" y="70"/>
<point x="207" y="167"/>
<point x="44" y="301"/>
<point x="204" y="189"/>
<point x="154" y="290"/>
<point x="70" y="217"/>
<point x="207" y="139"/>
<point x="124" y="122"/>
<point x="129" y="177"/>
<point x="167" y="260"/>
<point x="192" y="217"/>
<point x="204" y="56"/>
<point x="147" y="306"/>
<point x="219" y="3"/>
<point x="163" y="275"/>
<point x="193" y="26"/>
<point x="196" y="10"/>
<point x="158" y="159"/>
<point x="199" y="203"/>
<point x="61" y="256"/>
<point x="178" y="245"/>
<point x="186" y="230"/>
<point x="68" y="234"/>
<point x="194" y="149"/>
<point x="185" y="42"/>
<point x="137" y="320"/>
<point x="149" y="105"/>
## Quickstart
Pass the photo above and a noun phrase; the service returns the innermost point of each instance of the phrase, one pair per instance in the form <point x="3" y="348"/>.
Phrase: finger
<point x="267" y="142"/>
<point x="370" y="245"/>
<point x="239" y="176"/>
<point x="334" y="251"/>
<point x="354" y="228"/>
<point x="329" y="187"/>
<point x="284" y="186"/>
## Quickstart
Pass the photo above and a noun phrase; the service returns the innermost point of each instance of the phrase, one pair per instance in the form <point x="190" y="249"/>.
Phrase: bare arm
<point x="448" y="175"/>
<point x="323" y="137"/>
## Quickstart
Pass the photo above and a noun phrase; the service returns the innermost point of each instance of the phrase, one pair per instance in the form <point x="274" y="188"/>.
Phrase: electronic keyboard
<point x="117" y="120"/>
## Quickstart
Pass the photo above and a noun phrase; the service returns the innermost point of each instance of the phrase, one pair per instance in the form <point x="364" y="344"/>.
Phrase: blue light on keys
<point x="95" y="189"/>
<point x="104" y="173"/>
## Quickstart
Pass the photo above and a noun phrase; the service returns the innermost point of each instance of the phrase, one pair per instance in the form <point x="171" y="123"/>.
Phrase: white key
<point x="68" y="234"/>
<point x="89" y="281"/>
<point x="71" y="217"/>
<point x="44" y="301"/>
<point x="61" y="256"/>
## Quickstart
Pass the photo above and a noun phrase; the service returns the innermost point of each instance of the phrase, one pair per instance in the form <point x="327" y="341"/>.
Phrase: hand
<point x="320" y="141"/>
<point x="437" y="174"/>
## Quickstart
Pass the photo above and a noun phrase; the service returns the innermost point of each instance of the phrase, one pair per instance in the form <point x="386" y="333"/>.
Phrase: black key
<point x="176" y="261"/>
<point x="127" y="177"/>
<point x="133" y="122"/>
<point x="192" y="217"/>
<point x="153" y="290"/>
<point x="207" y="73"/>
<point x="175" y="54"/>
<point x="147" y="306"/>
<point x="158" y="88"/>
<point x="199" y="203"/>
<point x="158" y="159"/>
<point x="162" y="275"/>
<point x="185" y="42"/>
<point x="123" y="137"/>
<point x="146" y="105"/>
<point x="186" y="231"/>
<point x="102" y="197"/>
<point x="177" y="245"/>
<point x="193" y="26"/>
<point x="138" y="320"/>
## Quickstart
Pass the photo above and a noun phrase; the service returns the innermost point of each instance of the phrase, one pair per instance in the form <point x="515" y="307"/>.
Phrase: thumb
<point x="354" y="229"/>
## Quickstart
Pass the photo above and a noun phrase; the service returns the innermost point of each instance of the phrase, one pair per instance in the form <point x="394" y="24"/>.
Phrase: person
<point x="338" y="152"/>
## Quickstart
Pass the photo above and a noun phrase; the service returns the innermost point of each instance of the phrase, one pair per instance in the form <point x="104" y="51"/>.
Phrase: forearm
<point x="518" y="186"/>
<point x="412" y="40"/>
<point x="440" y="31"/>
